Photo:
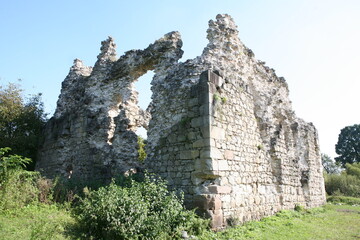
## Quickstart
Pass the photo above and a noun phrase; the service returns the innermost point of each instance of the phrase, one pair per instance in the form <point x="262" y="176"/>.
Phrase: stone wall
<point x="92" y="133"/>
<point x="220" y="127"/>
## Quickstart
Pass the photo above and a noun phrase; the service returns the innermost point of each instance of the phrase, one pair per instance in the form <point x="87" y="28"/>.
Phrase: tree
<point x="330" y="166"/>
<point x="21" y="122"/>
<point x="348" y="145"/>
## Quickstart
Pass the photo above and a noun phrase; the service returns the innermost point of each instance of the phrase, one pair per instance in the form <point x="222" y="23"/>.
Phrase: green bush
<point x="141" y="151"/>
<point x="344" y="200"/>
<point x="19" y="187"/>
<point x="343" y="184"/>
<point x="136" y="210"/>
<point x="353" y="169"/>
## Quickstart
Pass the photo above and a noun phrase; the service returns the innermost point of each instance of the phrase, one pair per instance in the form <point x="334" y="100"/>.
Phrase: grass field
<point x="35" y="222"/>
<point x="329" y="222"/>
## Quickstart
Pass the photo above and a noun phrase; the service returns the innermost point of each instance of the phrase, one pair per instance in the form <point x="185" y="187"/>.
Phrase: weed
<point x="141" y="150"/>
<point x="137" y="210"/>
<point x="344" y="200"/>
<point x="299" y="208"/>
<point x="217" y="97"/>
<point x="185" y="122"/>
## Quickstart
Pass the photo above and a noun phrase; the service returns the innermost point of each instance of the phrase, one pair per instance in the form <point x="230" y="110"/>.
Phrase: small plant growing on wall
<point x="141" y="150"/>
<point x="218" y="98"/>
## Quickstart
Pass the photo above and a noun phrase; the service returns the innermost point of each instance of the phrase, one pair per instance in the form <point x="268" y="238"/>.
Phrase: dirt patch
<point x="347" y="210"/>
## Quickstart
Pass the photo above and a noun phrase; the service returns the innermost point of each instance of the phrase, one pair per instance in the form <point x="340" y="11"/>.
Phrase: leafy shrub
<point x="344" y="200"/>
<point x="19" y="187"/>
<point x="343" y="184"/>
<point x="353" y="169"/>
<point x="299" y="208"/>
<point x="141" y="151"/>
<point x="136" y="210"/>
<point x="9" y="163"/>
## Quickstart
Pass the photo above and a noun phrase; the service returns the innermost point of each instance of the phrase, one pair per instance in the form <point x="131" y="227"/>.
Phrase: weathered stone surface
<point x="92" y="134"/>
<point x="220" y="127"/>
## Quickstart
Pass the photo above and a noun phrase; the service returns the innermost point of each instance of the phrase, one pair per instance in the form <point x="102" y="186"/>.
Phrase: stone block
<point x="189" y="154"/>
<point x="204" y="110"/>
<point x="199" y="143"/>
<point x="219" y="189"/>
<point x="213" y="203"/>
<point x="206" y="154"/>
<point x="229" y="155"/>
<point x="217" y="219"/>
<point x="192" y="135"/>
<point x="197" y="122"/>
<point x="203" y="164"/>
<point x="216" y="153"/>
<point x="223" y="165"/>
<point x="211" y="152"/>
<point x="181" y="138"/>
<point x="205" y="131"/>
<point x="199" y="201"/>
<point x="217" y="133"/>
<point x="218" y="81"/>
<point x="193" y="102"/>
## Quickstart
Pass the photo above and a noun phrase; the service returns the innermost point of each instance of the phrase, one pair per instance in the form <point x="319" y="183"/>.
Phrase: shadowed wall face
<point x="220" y="127"/>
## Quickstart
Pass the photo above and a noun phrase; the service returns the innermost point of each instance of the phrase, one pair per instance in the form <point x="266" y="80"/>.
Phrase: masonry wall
<point x="236" y="149"/>
<point x="220" y="127"/>
<point x="92" y="135"/>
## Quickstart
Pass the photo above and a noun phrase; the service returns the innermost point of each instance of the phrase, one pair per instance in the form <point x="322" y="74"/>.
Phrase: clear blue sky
<point x="314" y="44"/>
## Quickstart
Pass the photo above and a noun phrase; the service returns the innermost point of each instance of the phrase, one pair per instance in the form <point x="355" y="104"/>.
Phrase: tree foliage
<point x="348" y="145"/>
<point x="353" y="169"/>
<point x="330" y="166"/>
<point x="21" y="121"/>
<point x="345" y="184"/>
<point x="141" y="151"/>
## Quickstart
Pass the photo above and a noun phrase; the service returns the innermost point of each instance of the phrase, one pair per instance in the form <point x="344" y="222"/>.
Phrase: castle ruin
<point x="220" y="127"/>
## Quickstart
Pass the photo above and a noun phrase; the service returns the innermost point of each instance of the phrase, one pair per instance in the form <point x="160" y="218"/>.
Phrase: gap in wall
<point x="143" y="87"/>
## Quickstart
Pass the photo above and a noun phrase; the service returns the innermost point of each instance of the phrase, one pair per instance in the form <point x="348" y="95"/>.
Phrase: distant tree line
<point x="342" y="176"/>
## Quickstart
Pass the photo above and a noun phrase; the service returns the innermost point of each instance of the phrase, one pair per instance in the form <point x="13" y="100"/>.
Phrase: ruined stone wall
<point x="236" y="147"/>
<point x="92" y="133"/>
<point x="220" y="127"/>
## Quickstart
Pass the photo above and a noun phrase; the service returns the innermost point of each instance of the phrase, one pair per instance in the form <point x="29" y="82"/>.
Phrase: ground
<point x="329" y="222"/>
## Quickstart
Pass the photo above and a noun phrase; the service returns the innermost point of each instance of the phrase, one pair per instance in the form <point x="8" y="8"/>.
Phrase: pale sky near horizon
<point x="314" y="44"/>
